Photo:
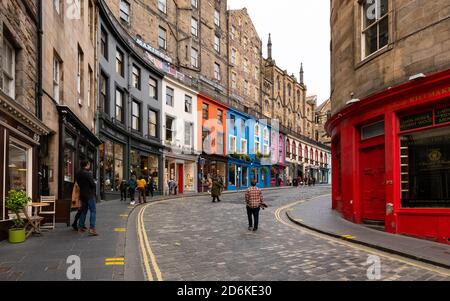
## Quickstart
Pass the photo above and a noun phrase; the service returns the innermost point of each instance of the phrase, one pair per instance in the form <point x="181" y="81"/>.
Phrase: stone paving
<point x="195" y="240"/>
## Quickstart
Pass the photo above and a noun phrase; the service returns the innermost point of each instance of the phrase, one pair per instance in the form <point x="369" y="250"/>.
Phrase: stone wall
<point x="419" y="42"/>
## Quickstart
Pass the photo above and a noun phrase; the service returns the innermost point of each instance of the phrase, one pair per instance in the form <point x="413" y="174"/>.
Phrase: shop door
<point x="373" y="203"/>
<point x="180" y="178"/>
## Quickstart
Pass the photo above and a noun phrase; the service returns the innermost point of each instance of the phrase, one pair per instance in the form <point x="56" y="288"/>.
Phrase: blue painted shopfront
<point x="248" y="142"/>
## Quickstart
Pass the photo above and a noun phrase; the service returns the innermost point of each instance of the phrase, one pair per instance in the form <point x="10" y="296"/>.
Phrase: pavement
<point x="317" y="215"/>
<point x="102" y="258"/>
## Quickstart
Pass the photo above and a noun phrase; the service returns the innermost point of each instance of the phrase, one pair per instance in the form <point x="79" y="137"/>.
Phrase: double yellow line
<point x="146" y="251"/>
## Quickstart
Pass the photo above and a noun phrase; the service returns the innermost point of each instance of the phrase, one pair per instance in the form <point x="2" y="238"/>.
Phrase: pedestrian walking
<point x="216" y="190"/>
<point x="254" y="200"/>
<point x="151" y="185"/>
<point x="123" y="190"/>
<point x="132" y="184"/>
<point x="85" y="181"/>
<point x="76" y="204"/>
<point x="141" y="185"/>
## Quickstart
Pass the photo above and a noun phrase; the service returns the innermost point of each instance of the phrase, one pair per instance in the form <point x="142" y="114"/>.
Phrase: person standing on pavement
<point x="141" y="184"/>
<point x="151" y="185"/>
<point x="123" y="190"/>
<point x="86" y="182"/>
<point x="216" y="190"/>
<point x="254" y="200"/>
<point x="132" y="184"/>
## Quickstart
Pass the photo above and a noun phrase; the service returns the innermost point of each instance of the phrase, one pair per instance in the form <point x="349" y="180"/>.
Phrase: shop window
<point x="112" y="164"/>
<point x="19" y="166"/>
<point x="244" y="176"/>
<point x="372" y="130"/>
<point x="425" y="169"/>
<point x="69" y="165"/>
<point x="220" y="116"/>
<point x="232" y="174"/>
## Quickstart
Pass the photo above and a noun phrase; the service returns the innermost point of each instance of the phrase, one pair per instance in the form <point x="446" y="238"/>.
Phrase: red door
<point x="180" y="178"/>
<point x="373" y="203"/>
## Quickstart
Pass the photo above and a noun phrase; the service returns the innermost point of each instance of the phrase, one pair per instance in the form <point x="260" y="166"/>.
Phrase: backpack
<point x="76" y="202"/>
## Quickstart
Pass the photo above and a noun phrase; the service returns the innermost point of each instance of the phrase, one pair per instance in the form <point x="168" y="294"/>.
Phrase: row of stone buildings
<point x="131" y="86"/>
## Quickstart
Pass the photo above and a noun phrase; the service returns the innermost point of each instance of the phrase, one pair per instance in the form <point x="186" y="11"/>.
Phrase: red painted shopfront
<point x="391" y="159"/>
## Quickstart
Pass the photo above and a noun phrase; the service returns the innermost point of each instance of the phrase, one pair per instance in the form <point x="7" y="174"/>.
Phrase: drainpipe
<point x="39" y="62"/>
<point x="38" y="102"/>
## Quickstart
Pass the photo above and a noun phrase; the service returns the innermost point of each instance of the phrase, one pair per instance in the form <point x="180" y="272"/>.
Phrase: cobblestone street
<point x="195" y="240"/>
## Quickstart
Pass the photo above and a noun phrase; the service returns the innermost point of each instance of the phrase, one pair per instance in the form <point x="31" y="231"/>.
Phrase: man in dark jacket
<point x="87" y="186"/>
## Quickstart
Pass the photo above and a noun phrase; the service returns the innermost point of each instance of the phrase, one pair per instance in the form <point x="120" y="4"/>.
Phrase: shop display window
<point x="425" y="169"/>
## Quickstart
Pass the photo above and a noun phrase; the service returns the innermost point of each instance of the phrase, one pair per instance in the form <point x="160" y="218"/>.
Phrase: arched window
<point x="311" y="154"/>
<point x="326" y="159"/>
<point x="294" y="149"/>
<point x="306" y="152"/>
<point x="321" y="157"/>
<point x="289" y="90"/>
<point x="300" y="153"/>
<point x="317" y="156"/>
<point x="288" y="148"/>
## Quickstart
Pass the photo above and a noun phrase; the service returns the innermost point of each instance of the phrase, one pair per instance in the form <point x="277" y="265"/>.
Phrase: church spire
<point x="269" y="48"/>
<point x="301" y="74"/>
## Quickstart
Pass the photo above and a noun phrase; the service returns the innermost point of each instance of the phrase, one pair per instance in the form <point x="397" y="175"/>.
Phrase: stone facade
<point x="323" y="114"/>
<point x="418" y="42"/>
<point x="18" y="25"/>
<point x="69" y="37"/>
<point x="146" y="19"/>
<point x="285" y="98"/>
<point x="245" y="60"/>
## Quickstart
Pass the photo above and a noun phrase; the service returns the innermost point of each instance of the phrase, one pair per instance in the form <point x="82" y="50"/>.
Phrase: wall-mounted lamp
<point x="355" y="100"/>
<point x="417" y="76"/>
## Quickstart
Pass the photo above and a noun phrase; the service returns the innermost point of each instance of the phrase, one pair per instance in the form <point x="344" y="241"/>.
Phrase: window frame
<point x="150" y="124"/>
<point x="134" y="116"/>
<point x="172" y="96"/>
<point x="164" y="39"/>
<point x="125" y="16"/>
<point x="136" y="77"/>
<point x="376" y="24"/>
<point x="122" y="107"/>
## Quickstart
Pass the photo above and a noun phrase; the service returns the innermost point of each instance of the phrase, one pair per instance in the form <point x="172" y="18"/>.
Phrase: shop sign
<point x="416" y="121"/>
<point x="442" y="116"/>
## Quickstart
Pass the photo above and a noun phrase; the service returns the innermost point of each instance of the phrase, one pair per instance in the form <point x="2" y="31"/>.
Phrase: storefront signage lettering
<point x="434" y="93"/>
<point x="153" y="50"/>
<point x="416" y="121"/>
<point x="443" y="115"/>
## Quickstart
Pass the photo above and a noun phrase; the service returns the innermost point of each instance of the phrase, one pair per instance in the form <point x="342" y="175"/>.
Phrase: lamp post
<point x="239" y="178"/>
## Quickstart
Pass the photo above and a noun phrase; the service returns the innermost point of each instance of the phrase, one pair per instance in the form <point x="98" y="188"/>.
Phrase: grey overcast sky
<point x="300" y="33"/>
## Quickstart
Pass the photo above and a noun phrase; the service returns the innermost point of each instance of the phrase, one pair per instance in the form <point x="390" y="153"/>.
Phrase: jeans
<point x="253" y="214"/>
<point x="91" y="206"/>
<point x="132" y="192"/>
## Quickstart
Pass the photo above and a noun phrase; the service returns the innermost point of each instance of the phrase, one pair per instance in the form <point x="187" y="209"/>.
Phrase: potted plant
<point x="16" y="202"/>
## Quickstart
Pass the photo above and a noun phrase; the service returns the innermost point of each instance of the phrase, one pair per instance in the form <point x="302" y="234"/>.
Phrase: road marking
<point x="124" y="215"/>
<point x="348" y="236"/>
<point x="146" y="250"/>
<point x="424" y="266"/>
<point x="120" y="230"/>
<point x="115" y="261"/>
